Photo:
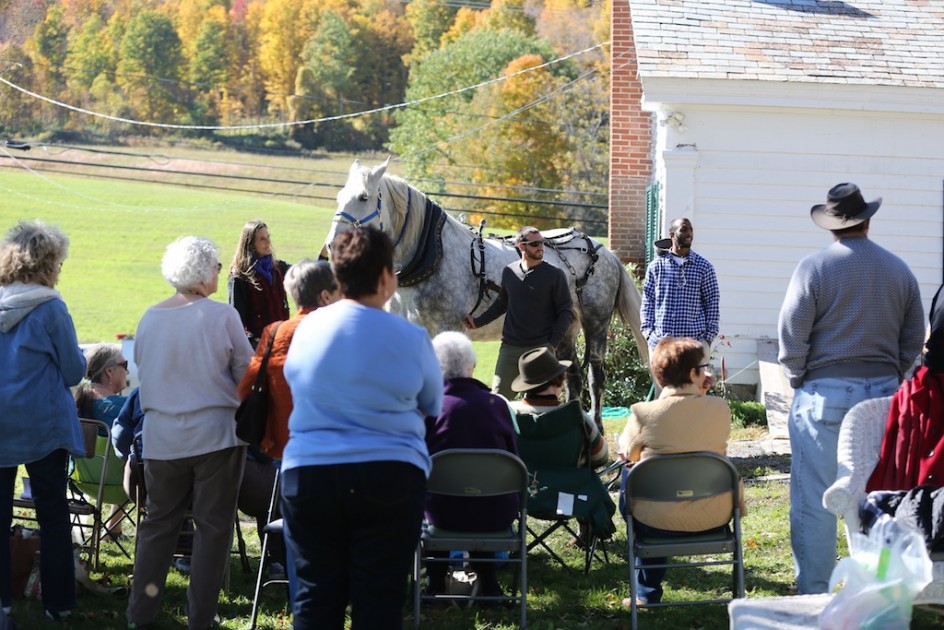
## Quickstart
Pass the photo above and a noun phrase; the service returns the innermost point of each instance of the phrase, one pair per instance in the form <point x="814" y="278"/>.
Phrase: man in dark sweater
<point x="537" y="305"/>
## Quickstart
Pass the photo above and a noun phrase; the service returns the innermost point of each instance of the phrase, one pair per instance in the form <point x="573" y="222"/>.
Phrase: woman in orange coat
<point x="311" y="285"/>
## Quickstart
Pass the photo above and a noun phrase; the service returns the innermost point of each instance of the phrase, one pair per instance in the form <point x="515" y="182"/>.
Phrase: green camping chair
<point x="551" y="444"/>
<point x="108" y="468"/>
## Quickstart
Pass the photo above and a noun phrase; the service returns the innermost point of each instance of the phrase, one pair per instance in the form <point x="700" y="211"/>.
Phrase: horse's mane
<point x="394" y="190"/>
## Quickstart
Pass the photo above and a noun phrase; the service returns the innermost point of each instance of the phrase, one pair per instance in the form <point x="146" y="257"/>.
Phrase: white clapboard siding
<point x="749" y="176"/>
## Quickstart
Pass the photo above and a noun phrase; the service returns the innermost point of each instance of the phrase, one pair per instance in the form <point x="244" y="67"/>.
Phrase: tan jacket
<point x="682" y="420"/>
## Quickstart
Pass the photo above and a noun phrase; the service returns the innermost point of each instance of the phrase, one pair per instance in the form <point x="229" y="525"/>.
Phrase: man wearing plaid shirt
<point x="680" y="296"/>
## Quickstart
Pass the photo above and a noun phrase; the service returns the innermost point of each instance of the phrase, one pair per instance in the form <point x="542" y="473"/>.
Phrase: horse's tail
<point x="628" y="305"/>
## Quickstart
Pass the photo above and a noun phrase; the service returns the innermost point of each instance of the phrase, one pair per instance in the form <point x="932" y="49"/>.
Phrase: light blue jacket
<point x="40" y="360"/>
<point x="362" y="382"/>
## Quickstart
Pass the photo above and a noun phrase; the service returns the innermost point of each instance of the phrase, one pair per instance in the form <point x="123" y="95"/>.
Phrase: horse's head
<point x="360" y="202"/>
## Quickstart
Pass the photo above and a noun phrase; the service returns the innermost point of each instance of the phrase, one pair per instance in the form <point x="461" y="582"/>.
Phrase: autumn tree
<point x="426" y="132"/>
<point x="150" y="65"/>
<point x="285" y="29"/>
<point x="429" y="20"/>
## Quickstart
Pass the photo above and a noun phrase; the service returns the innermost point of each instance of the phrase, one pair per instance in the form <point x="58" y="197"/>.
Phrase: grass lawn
<point x="556" y="599"/>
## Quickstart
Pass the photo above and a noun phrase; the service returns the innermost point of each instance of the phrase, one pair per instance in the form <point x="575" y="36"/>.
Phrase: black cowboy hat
<point x="844" y="208"/>
<point x="537" y="367"/>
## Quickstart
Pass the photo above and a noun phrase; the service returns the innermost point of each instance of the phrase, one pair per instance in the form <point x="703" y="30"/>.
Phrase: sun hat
<point x="844" y="208"/>
<point x="537" y="367"/>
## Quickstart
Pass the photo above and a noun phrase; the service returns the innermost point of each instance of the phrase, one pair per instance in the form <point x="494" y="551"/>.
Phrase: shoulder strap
<point x="260" y="377"/>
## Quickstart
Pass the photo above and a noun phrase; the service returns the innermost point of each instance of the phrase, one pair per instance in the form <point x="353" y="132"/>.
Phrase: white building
<point x="761" y="106"/>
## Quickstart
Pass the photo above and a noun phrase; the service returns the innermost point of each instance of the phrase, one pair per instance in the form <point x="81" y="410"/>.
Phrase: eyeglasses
<point x="539" y="243"/>
<point x="122" y="364"/>
<point x="219" y="267"/>
<point x="704" y="367"/>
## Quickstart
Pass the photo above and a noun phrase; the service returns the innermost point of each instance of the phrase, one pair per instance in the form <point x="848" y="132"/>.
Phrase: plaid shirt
<point x="680" y="300"/>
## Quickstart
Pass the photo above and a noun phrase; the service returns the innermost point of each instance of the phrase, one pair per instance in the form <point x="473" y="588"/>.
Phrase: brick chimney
<point x="630" y="142"/>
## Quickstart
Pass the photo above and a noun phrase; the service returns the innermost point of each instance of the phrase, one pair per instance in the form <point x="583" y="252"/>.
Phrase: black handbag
<point x="253" y="412"/>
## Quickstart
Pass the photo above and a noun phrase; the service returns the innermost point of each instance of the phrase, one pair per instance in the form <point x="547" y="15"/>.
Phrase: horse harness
<point x="429" y="247"/>
<point x="556" y="241"/>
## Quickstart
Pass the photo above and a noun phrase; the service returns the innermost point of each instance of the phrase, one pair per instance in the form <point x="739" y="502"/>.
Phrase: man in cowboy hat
<point x="850" y="326"/>
<point x="541" y="379"/>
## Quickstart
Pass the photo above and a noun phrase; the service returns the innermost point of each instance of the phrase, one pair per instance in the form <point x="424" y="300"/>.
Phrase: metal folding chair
<point x="273" y="528"/>
<point x="685" y="478"/>
<point x="477" y="473"/>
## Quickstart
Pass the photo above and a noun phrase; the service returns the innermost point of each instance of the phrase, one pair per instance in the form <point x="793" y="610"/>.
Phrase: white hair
<point x="455" y="354"/>
<point x="190" y="261"/>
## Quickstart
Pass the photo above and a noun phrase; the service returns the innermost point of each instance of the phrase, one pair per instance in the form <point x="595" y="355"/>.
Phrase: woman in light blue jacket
<point x="39" y="423"/>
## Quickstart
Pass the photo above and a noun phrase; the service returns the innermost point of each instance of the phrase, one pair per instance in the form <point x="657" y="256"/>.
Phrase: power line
<point x="143" y="123"/>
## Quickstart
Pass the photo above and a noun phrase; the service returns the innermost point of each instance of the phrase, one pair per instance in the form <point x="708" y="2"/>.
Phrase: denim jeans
<point x="351" y="530"/>
<point x="57" y="566"/>
<point x="819" y="407"/>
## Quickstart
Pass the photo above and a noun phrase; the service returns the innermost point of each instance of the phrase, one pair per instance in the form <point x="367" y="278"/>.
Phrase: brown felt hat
<point x="537" y="367"/>
<point x="844" y="208"/>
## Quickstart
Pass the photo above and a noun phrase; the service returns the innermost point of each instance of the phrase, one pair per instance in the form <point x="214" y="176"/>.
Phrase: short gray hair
<point x="31" y="253"/>
<point x="305" y="281"/>
<point x="190" y="261"/>
<point x="455" y="354"/>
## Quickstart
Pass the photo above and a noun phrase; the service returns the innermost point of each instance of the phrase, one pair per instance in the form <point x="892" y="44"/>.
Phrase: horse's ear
<point x="356" y="165"/>
<point x="379" y="170"/>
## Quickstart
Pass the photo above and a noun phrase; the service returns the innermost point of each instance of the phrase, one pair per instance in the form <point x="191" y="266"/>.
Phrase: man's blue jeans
<point x="57" y="565"/>
<point x="351" y="530"/>
<point x="819" y="407"/>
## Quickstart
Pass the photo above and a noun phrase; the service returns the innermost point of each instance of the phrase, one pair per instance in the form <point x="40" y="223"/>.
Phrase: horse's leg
<point x="595" y="341"/>
<point x="567" y="351"/>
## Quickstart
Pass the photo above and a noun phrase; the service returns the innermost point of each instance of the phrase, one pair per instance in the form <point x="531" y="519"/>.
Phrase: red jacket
<point x="913" y="446"/>
<point x="280" y="396"/>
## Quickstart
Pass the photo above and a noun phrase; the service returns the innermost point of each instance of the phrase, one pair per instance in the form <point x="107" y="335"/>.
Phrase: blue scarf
<point x="263" y="267"/>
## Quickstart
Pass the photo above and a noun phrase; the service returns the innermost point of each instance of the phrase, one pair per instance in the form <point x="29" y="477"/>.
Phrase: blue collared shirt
<point x="680" y="300"/>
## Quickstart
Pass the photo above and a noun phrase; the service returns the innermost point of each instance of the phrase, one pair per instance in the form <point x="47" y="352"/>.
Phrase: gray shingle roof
<point x="870" y="42"/>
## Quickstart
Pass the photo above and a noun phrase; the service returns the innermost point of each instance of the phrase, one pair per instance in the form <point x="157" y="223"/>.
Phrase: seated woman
<point x="472" y="417"/>
<point x="682" y="420"/>
<point x="912" y="453"/>
<point x="98" y="397"/>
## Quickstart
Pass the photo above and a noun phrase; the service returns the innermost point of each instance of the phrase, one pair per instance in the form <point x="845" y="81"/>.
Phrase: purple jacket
<point x="472" y="417"/>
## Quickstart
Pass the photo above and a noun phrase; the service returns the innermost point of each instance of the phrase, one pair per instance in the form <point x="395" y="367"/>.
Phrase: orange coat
<point x="280" y="396"/>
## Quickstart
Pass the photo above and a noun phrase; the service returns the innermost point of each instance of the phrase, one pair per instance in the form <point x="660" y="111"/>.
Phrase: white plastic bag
<point x="883" y="575"/>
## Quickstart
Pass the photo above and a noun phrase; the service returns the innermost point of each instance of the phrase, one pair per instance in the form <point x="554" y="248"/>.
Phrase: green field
<point x="118" y="232"/>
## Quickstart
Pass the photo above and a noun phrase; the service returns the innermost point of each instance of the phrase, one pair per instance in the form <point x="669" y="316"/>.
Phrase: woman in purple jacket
<point x="472" y="417"/>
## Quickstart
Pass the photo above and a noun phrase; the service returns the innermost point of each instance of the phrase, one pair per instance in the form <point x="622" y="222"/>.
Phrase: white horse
<point x="446" y="270"/>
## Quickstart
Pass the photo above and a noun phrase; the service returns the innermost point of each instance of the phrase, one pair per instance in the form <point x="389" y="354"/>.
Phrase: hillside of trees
<point x="335" y="75"/>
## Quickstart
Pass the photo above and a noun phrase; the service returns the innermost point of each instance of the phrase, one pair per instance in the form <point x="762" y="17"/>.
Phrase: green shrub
<point x="747" y="412"/>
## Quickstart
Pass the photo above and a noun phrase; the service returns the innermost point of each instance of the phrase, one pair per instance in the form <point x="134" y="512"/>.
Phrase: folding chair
<point x="79" y="505"/>
<point x="86" y="475"/>
<point x="560" y="491"/>
<point x="684" y="478"/>
<point x="472" y="473"/>
<point x="273" y="528"/>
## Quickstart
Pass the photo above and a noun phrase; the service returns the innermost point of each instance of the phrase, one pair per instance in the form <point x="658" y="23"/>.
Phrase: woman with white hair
<point x="191" y="352"/>
<point x="471" y="417"/>
<point x="39" y="424"/>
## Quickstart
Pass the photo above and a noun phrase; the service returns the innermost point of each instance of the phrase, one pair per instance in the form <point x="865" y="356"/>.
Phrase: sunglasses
<point x="123" y="365"/>
<point x="534" y="243"/>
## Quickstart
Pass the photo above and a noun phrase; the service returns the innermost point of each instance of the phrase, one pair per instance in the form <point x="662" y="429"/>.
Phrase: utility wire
<point x="143" y="123"/>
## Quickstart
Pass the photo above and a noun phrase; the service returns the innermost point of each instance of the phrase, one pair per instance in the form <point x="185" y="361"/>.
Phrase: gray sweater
<point x="853" y="306"/>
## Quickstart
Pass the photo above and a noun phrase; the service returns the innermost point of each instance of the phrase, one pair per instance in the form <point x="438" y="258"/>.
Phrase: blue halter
<point x="359" y="222"/>
<point x="376" y="214"/>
